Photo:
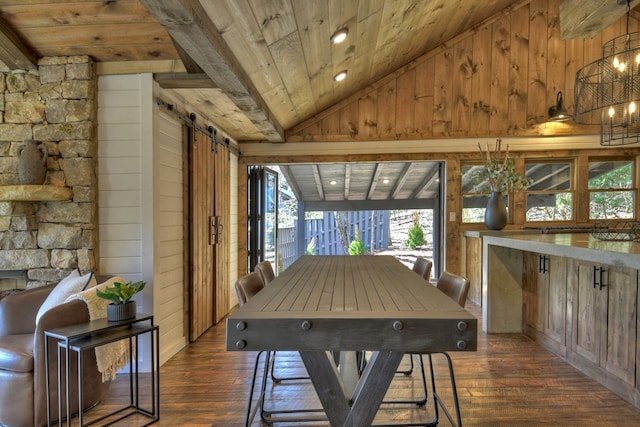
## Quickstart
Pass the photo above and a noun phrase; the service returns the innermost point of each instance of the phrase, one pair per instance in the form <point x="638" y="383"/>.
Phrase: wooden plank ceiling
<point x="257" y="68"/>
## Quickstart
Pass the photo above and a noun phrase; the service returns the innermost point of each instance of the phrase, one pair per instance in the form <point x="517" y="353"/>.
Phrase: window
<point x="550" y="194"/>
<point x="475" y="194"/>
<point x="611" y="189"/>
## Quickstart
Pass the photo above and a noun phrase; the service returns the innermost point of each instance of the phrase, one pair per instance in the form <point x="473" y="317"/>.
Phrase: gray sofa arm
<point x="18" y="311"/>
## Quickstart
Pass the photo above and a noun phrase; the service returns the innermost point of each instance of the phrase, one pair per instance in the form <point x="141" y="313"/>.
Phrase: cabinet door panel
<point x="620" y="356"/>
<point x="590" y="307"/>
<point x="555" y="314"/>
<point x="534" y="291"/>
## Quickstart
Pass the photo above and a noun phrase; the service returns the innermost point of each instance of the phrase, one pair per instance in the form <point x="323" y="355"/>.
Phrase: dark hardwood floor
<point x="509" y="381"/>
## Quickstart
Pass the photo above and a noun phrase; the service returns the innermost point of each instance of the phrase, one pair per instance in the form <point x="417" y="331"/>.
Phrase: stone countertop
<point x="581" y="246"/>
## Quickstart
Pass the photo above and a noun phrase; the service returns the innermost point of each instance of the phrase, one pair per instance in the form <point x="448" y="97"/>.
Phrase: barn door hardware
<point x="215" y="230"/>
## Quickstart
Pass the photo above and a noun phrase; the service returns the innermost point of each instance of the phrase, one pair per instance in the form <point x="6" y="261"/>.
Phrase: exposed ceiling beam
<point x="318" y="180"/>
<point x="191" y="28"/>
<point x="13" y="52"/>
<point x="400" y="181"/>
<point x="347" y="180"/>
<point x="189" y="64"/>
<point x="374" y="180"/>
<point x="293" y="184"/>
<point x="183" y="81"/>
<point x="585" y="19"/>
<point x="428" y="180"/>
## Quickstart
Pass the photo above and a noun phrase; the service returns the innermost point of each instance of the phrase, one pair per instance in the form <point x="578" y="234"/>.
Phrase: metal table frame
<point x="88" y="336"/>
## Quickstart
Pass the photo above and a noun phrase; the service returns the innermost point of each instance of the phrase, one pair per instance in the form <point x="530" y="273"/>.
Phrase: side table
<point x="87" y="336"/>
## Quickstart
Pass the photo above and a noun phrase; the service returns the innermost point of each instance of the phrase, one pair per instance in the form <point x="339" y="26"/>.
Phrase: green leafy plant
<point x="311" y="247"/>
<point x="357" y="247"/>
<point x="121" y="293"/>
<point x="416" y="235"/>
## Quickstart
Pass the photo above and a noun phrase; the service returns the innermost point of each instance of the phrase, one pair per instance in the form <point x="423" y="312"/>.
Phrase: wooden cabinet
<point x="605" y="300"/>
<point x="545" y="299"/>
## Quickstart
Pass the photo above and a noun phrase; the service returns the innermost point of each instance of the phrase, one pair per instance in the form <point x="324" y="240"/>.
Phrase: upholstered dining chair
<point x="265" y="270"/>
<point x="247" y="286"/>
<point x="422" y="267"/>
<point x="457" y="288"/>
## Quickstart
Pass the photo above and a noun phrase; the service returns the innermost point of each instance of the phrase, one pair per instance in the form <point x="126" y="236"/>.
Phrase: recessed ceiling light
<point x="385" y="181"/>
<point x="333" y="182"/>
<point x="340" y="76"/>
<point x="339" y="36"/>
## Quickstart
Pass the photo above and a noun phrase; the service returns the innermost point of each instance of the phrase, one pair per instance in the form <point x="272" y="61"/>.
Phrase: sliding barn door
<point x="209" y="242"/>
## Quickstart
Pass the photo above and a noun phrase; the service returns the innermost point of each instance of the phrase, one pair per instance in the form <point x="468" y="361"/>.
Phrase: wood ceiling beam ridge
<point x="183" y="81"/>
<point x="190" y="26"/>
<point x="401" y="180"/>
<point x="347" y="180"/>
<point x="374" y="180"/>
<point x="585" y="19"/>
<point x="13" y="52"/>
<point x="189" y="64"/>
<point x="318" y="180"/>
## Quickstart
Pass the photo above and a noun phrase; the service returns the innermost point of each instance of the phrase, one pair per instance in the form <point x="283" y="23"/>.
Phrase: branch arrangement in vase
<point x="499" y="170"/>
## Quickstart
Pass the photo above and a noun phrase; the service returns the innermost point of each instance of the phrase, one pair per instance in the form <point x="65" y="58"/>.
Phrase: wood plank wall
<point x="498" y="79"/>
<point x="170" y="234"/>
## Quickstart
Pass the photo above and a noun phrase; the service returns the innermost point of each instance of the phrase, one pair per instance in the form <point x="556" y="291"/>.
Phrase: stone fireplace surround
<point x="56" y="104"/>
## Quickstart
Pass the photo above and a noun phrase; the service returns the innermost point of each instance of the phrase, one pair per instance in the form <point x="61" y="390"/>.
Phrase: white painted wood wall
<point x="140" y="200"/>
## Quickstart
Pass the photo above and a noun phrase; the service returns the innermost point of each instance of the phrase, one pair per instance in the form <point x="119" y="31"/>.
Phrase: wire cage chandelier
<point x="607" y="91"/>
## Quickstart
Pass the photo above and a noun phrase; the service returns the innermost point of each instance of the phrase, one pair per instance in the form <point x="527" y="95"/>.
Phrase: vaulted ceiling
<point x="257" y="67"/>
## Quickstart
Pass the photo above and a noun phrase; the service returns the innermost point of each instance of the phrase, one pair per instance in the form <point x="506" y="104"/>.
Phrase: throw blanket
<point x="110" y="357"/>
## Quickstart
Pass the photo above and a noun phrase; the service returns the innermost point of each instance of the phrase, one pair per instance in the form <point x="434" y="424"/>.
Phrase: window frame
<point x="572" y="190"/>
<point x="633" y="189"/>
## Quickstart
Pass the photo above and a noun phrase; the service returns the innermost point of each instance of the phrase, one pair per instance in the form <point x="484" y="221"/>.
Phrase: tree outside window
<point x="611" y="189"/>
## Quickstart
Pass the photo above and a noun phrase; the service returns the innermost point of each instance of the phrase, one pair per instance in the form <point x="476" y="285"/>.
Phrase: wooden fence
<point x="373" y="227"/>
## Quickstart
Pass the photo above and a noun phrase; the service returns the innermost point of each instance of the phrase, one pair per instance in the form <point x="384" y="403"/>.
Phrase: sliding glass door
<point x="263" y="216"/>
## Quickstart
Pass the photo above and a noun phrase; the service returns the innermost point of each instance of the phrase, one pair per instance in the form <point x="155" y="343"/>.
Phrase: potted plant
<point x="122" y="307"/>
<point x="501" y="175"/>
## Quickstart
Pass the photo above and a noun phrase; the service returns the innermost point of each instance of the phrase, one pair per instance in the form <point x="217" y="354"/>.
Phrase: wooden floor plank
<point x="509" y="381"/>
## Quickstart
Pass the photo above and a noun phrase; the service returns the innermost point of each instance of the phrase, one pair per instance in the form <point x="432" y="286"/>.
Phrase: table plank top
<point x="351" y="303"/>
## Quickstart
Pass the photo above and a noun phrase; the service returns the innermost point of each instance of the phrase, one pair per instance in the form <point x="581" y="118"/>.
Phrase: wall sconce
<point x="557" y="113"/>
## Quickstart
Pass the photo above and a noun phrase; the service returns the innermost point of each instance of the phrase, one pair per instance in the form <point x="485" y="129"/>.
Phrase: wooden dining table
<point x="324" y="304"/>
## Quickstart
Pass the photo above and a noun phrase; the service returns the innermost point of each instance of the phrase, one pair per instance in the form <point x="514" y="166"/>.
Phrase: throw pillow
<point x="71" y="284"/>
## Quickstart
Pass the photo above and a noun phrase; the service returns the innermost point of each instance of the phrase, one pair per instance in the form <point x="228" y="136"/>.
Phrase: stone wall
<point x="57" y="106"/>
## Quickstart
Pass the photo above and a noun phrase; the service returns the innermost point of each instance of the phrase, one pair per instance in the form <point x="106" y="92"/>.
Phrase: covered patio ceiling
<point x="405" y="185"/>
<point x="364" y="186"/>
